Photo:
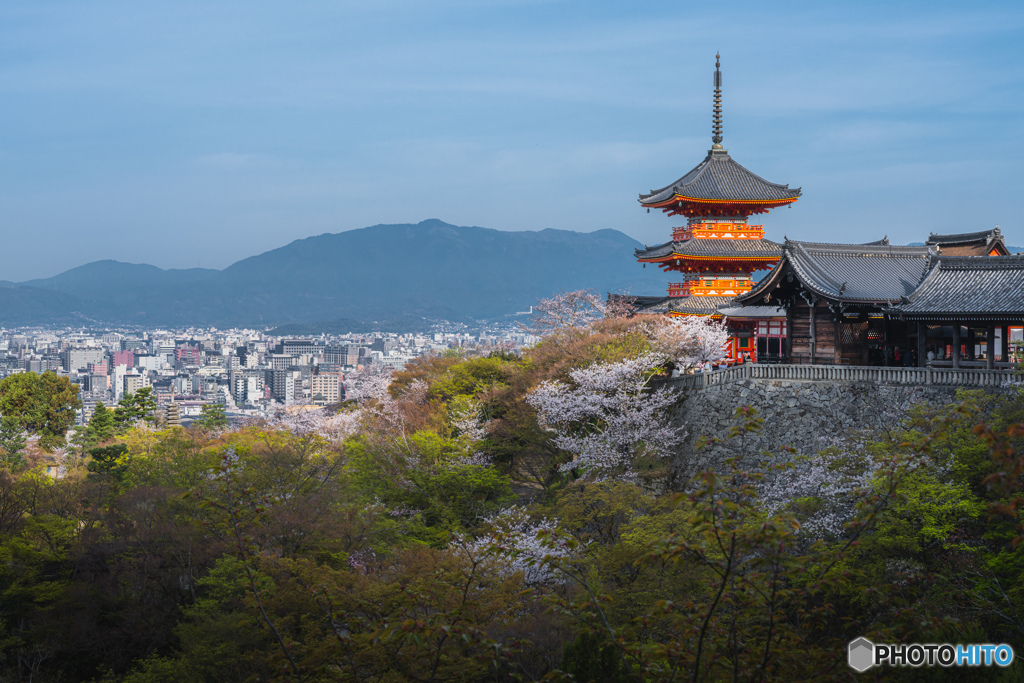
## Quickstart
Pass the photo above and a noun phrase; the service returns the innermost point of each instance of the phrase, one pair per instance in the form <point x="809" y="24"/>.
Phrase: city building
<point x="76" y="359"/>
<point x="326" y="387"/>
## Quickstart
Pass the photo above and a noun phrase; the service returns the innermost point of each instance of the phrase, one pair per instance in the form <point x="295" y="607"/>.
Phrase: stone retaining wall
<point x="806" y="415"/>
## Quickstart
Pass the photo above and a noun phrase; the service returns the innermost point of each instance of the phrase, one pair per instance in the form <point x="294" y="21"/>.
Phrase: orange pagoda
<point x="718" y="250"/>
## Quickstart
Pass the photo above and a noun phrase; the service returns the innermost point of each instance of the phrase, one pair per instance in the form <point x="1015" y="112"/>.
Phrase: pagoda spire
<point x="716" y="129"/>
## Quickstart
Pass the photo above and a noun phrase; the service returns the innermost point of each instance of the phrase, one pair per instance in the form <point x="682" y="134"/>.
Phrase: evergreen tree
<point x="110" y="460"/>
<point x="213" y="416"/>
<point x="101" y="425"/>
<point x="138" y="405"/>
<point x="12" y="441"/>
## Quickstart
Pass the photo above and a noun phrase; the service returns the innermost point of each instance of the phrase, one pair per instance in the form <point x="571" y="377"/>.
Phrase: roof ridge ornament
<point x="716" y="128"/>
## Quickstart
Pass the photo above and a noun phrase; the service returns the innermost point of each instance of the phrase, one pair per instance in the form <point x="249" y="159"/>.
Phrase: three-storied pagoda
<point x="718" y="250"/>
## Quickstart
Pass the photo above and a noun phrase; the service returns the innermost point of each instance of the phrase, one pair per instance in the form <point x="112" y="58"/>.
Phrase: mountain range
<point x="375" y="277"/>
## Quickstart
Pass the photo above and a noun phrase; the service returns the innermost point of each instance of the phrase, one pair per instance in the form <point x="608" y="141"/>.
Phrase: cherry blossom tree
<point x="608" y="416"/>
<point x="565" y="310"/>
<point x="838" y="478"/>
<point x="688" y="341"/>
<point x="332" y="426"/>
<point x="371" y="382"/>
<point x="524" y="544"/>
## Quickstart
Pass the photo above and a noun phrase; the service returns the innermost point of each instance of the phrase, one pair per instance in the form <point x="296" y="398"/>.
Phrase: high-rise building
<point x="325" y="387"/>
<point x="133" y="383"/>
<point x="126" y="358"/>
<point x="188" y="355"/>
<point x="247" y="384"/>
<point x="283" y="383"/>
<point x="76" y="359"/>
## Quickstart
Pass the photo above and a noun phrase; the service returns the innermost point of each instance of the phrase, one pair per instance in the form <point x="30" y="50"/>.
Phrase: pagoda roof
<point x="854" y="273"/>
<point x="968" y="286"/>
<point x="720" y="178"/>
<point x="714" y="248"/>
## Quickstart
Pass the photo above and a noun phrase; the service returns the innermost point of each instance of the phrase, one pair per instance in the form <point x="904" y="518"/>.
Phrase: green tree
<point x="110" y="460"/>
<point x="12" y="441"/>
<point x="213" y="416"/>
<point x="44" y="404"/>
<point x="138" y="405"/>
<point x="101" y="424"/>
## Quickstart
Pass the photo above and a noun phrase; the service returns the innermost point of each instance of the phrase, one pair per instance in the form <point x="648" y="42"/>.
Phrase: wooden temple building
<point x="949" y="302"/>
<point x="718" y="250"/>
<point x="880" y="304"/>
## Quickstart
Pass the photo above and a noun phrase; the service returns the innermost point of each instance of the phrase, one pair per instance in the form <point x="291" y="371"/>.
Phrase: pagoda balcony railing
<point x="699" y="286"/>
<point x="849" y="373"/>
<point x="720" y="230"/>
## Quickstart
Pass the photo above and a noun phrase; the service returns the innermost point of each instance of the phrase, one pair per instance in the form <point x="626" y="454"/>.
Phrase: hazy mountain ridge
<point x="384" y="272"/>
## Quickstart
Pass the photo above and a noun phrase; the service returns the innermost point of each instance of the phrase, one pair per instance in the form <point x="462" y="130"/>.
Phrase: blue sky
<point x="197" y="133"/>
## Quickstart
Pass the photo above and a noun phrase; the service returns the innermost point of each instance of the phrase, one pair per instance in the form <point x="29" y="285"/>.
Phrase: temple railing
<point x="847" y="373"/>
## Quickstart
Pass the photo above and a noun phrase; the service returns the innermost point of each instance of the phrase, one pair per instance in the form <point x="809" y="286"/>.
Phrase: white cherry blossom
<point x="609" y="415"/>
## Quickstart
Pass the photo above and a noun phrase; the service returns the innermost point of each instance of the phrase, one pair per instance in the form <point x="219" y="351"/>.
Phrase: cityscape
<point x="715" y="374"/>
<point x="250" y="373"/>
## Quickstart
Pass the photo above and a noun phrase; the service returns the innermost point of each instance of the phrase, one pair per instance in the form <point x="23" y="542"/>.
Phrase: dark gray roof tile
<point x="849" y="272"/>
<point x="723" y="248"/>
<point x="986" y="236"/>
<point x="718" y="177"/>
<point x="969" y="285"/>
<point x="690" y="305"/>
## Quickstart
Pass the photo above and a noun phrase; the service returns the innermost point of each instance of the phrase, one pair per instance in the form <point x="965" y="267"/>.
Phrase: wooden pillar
<point x="837" y="356"/>
<point x="990" y="348"/>
<point x="922" y="348"/>
<point x="1004" y="354"/>
<point x="813" y="337"/>
<point x="789" y="334"/>
<point x="970" y="343"/>
<point x="956" y="344"/>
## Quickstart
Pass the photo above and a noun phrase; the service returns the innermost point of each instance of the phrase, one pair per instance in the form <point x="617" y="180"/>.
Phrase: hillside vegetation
<point x="502" y="518"/>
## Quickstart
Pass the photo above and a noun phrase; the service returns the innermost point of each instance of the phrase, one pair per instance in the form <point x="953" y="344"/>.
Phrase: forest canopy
<point x="505" y="517"/>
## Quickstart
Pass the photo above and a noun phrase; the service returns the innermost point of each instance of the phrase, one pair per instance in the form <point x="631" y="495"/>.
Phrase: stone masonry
<point x="807" y="415"/>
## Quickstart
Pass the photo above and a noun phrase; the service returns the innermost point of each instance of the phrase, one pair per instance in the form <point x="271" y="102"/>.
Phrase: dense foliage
<point x="434" y="529"/>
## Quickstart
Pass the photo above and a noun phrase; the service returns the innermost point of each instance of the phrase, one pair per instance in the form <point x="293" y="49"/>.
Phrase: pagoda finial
<point x="716" y="129"/>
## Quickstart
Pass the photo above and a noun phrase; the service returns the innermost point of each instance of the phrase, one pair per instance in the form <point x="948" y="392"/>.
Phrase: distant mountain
<point x="381" y="273"/>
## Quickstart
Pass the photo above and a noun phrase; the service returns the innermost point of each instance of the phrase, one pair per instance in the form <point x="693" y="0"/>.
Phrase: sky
<point x="197" y="133"/>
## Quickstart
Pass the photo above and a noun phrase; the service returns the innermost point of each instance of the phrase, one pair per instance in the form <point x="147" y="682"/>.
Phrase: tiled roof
<point x="718" y="177"/>
<point x="753" y="312"/>
<point x="986" y="236"/>
<point x="722" y="248"/>
<point x="969" y="285"/>
<point x="689" y="305"/>
<point x="848" y="272"/>
<point x="639" y="301"/>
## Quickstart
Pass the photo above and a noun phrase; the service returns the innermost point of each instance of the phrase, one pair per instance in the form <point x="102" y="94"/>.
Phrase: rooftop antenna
<point x="716" y="129"/>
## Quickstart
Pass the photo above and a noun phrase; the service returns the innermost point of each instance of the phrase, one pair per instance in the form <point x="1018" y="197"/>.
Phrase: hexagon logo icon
<point x="861" y="654"/>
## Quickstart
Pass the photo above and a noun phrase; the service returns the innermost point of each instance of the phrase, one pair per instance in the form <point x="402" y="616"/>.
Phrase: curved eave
<point x="677" y="314"/>
<point x="765" y="284"/>
<point x="675" y="199"/>
<point x="691" y="257"/>
<point x="1005" y="316"/>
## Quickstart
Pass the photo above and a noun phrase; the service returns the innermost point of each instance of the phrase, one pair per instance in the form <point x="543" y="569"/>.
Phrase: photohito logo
<point x="862" y="654"/>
